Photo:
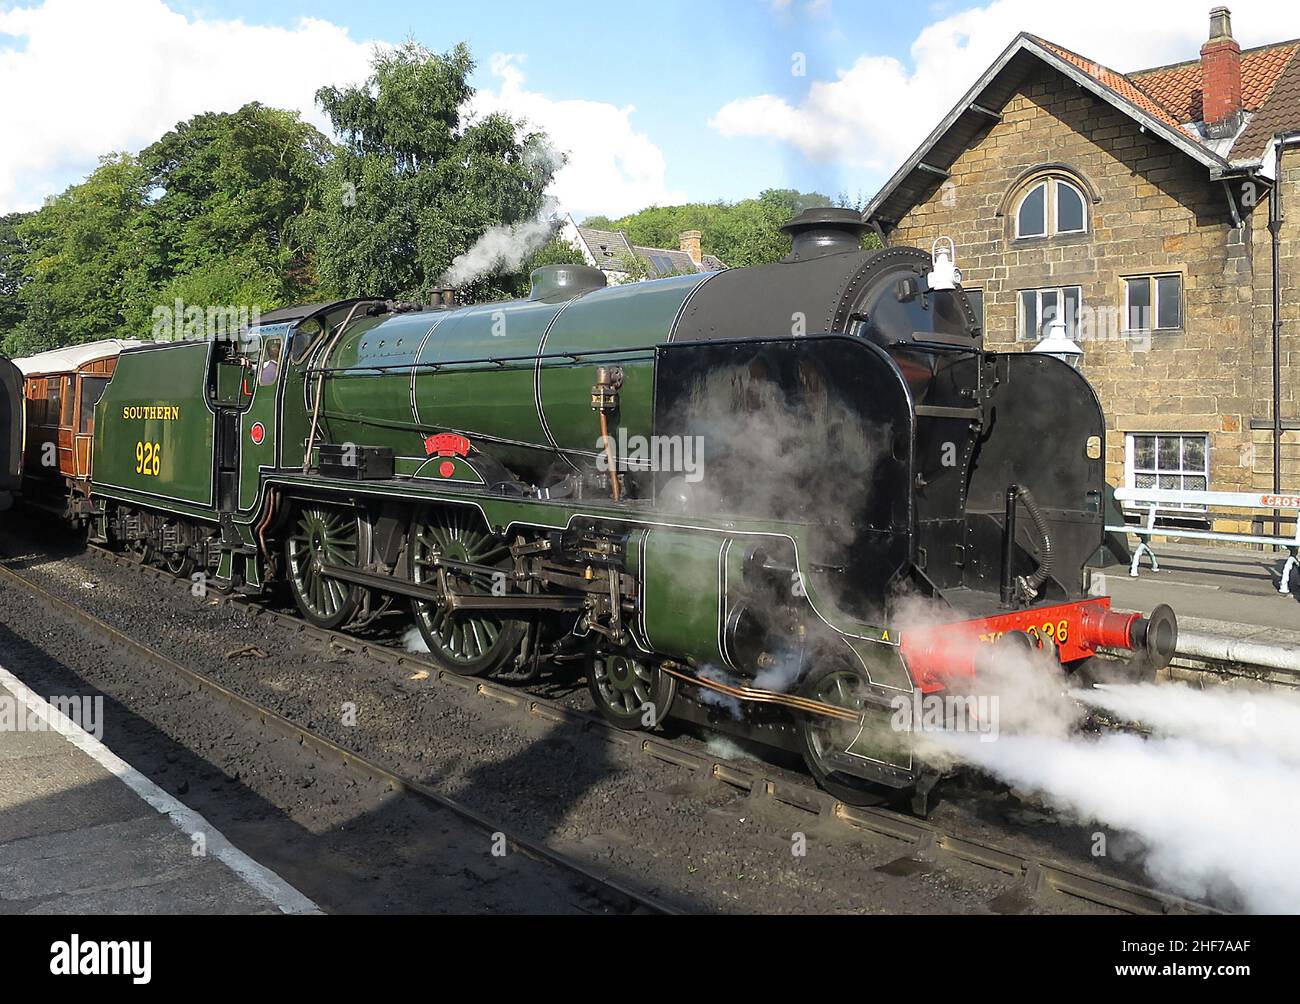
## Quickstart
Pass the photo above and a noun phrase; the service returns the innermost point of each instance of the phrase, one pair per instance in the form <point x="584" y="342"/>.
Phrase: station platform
<point x="1229" y="592"/>
<point x="82" y="832"/>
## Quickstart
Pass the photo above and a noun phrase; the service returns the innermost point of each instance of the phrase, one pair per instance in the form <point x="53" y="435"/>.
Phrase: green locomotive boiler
<point x="714" y="489"/>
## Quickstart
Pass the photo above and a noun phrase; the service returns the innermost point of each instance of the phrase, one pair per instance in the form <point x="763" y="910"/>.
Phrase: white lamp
<point x="945" y="274"/>
<point x="1056" y="342"/>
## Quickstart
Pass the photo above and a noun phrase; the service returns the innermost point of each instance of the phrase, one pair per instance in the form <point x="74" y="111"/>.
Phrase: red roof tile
<point x="1117" y="82"/>
<point x="1178" y="87"/>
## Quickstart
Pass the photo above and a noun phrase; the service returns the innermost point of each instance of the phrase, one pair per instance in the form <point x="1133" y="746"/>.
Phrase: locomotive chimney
<point x="1221" y="77"/>
<point x="815" y="233"/>
<point x="689" y="241"/>
<point x="442" y="296"/>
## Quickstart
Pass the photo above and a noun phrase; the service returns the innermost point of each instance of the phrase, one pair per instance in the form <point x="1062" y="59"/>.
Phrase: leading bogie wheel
<point x="467" y="642"/>
<point x="322" y="535"/>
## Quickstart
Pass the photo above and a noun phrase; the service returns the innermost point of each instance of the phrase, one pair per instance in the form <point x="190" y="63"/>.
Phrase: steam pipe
<point x="1015" y="494"/>
<point x="1008" y="590"/>
<point x="1046" y="559"/>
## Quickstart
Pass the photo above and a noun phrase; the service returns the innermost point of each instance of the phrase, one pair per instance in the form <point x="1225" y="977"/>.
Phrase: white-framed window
<point x="1172" y="460"/>
<point x="1055" y="201"/>
<point x="1039" y="306"/>
<point x="1153" y="302"/>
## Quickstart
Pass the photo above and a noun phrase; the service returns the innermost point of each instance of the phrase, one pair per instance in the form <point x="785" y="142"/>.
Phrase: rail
<point x="1034" y="875"/>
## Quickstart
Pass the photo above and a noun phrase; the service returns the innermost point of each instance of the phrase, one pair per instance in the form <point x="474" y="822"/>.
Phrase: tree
<point x="88" y="253"/>
<point x="233" y="188"/>
<point x="741" y="233"/>
<point x="416" y="183"/>
<point x="13" y="259"/>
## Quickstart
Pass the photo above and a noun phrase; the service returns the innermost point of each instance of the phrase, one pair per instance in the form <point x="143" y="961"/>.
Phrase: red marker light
<point x="257" y="433"/>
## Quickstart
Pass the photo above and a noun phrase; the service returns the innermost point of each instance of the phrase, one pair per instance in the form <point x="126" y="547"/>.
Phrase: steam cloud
<point x="1212" y="796"/>
<point x="1214" y="823"/>
<point x="503" y="248"/>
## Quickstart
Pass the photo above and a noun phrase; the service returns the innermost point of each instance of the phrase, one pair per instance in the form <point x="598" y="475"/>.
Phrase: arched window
<point x="1049" y="207"/>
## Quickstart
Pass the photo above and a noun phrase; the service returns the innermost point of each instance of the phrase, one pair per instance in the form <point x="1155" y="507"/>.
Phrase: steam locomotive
<point x="713" y="490"/>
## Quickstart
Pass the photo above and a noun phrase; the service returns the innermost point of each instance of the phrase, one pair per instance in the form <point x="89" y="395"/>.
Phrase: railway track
<point x="604" y="887"/>
<point x="920" y="839"/>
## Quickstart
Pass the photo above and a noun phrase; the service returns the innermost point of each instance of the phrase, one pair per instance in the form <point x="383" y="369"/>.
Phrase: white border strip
<point x="264" y="881"/>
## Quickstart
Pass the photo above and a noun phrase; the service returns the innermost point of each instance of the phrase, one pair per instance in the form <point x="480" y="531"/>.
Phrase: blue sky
<point x="653" y="103"/>
<point x="677" y="67"/>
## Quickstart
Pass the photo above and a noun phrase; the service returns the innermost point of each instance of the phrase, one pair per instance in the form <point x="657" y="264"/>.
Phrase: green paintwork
<point x="679" y="599"/>
<point x="166" y="378"/>
<point x="459" y="388"/>
<point x="693" y="571"/>
<point x="261" y="409"/>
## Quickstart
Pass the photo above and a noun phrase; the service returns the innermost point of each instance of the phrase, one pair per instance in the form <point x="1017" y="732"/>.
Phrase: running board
<point x="453" y="599"/>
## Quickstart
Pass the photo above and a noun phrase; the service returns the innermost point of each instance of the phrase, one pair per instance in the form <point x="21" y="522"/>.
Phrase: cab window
<point x="268" y="367"/>
<point x="305" y="338"/>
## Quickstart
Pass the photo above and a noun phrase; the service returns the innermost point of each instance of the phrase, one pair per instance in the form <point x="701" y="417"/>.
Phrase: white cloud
<point x="873" y="114"/>
<point x="612" y="168"/>
<point x="84" y="77"/>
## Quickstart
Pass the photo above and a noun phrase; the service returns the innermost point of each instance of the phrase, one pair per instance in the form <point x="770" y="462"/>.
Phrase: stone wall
<point x="1152" y="210"/>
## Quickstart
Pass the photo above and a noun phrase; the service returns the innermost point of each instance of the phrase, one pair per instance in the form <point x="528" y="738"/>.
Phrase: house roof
<point x="1178" y="87"/>
<point x="609" y="248"/>
<point x="1166" y="100"/>
<point x="606" y="246"/>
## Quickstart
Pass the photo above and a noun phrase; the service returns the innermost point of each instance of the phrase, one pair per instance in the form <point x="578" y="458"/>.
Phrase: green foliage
<point x="86" y="250"/>
<point x="634" y="267"/>
<point x="233" y="185"/>
<point x="207" y="213"/>
<point x="415" y="185"/>
<point x="739" y="233"/>
<point x="12" y="258"/>
<point x="235" y="281"/>
<point x="255" y="208"/>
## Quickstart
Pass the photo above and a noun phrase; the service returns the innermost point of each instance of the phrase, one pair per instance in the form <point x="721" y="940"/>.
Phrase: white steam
<point x="413" y="641"/>
<point x="1238" y="719"/>
<point x="1212" y="795"/>
<point x="1214" y="823"/>
<point x="503" y="248"/>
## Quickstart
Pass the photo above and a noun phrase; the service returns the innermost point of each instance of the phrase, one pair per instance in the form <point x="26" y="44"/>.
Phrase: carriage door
<point x="90" y="391"/>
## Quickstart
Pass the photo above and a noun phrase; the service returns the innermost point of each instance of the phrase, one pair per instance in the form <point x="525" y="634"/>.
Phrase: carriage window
<point x="53" y="400"/>
<point x="65" y="416"/>
<point x="92" y="389"/>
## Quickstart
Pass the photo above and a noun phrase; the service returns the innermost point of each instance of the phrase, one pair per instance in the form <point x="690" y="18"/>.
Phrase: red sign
<point x="446" y="444"/>
<point x="257" y="433"/>
<point x="446" y="468"/>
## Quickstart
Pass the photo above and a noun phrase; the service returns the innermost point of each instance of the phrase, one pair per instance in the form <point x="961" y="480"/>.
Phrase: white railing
<point x="1172" y="502"/>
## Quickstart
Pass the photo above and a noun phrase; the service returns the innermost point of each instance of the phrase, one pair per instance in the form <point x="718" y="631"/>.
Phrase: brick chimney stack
<point x="690" y="243"/>
<point x="1221" y="77"/>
